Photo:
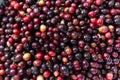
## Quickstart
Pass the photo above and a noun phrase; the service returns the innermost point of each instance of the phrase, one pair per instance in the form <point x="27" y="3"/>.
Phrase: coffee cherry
<point x="109" y="76"/>
<point x="43" y="28"/>
<point x="46" y="57"/>
<point x="26" y="19"/>
<point x="56" y="73"/>
<point x="41" y="3"/>
<point x="37" y="63"/>
<point x="2" y="72"/>
<point x="108" y="35"/>
<point x="13" y="3"/>
<point x="26" y="56"/>
<point x="98" y="2"/>
<point x="59" y="39"/>
<point x="51" y="53"/>
<point x="103" y="29"/>
<point x="68" y="50"/>
<point x="39" y="55"/>
<point x="40" y="77"/>
<point x="71" y="10"/>
<point x="99" y="22"/>
<point x="46" y="74"/>
<point x="15" y="31"/>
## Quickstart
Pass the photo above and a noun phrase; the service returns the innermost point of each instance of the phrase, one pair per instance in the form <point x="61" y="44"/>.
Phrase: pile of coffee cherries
<point x="60" y="40"/>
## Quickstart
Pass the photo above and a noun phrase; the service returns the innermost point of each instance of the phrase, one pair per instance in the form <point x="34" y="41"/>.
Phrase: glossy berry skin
<point x="99" y="22"/>
<point x="46" y="74"/>
<point x="98" y="2"/>
<point x="103" y="29"/>
<point x="16" y="31"/>
<point x="109" y="76"/>
<point x="67" y="16"/>
<point x="108" y="35"/>
<point x="37" y="63"/>
<point x="26" y="56"/>
<point x="89" y="1"/>
<point x="39" y="55"/>
<point x="68" y="50"/>
<point x="17" y="6"/>
<point x="41" y="3"/>
<point x="40" y="77"/>
<point x="93" y="20"/>
<point x="43" y="28"/>
<point x="26" y="19"/>
<point x="22" y="13"/>
<point x="91" y="14"/>
<point x="59" y="78"/>
<point x="2" y="72"/>
<point x="46" y="57"/>
<point x="51" y="53"/>
<point x="71" y="10"/>
<point x="12" y="3"/>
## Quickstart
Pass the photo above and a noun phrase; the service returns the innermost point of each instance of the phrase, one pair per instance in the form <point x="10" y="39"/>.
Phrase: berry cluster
<point x="60" y="40"/>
